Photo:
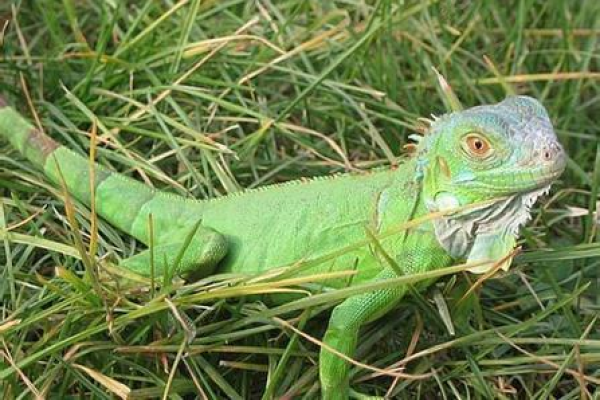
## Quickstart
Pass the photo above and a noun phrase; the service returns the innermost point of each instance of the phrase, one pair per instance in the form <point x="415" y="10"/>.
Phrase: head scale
<point x="506" y="153"/>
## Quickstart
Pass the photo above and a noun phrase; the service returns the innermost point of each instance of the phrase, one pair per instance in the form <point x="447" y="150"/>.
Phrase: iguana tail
<point x="122" y="201"/>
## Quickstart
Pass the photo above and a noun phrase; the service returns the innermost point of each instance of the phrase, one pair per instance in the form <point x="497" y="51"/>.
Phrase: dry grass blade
<point x="352" y="361"/>
<point x="552" y="364"/>
<point x="115" y="387"/>
<point x="5" y="353"/>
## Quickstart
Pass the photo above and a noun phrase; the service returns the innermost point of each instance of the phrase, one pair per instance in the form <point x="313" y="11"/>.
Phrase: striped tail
<point x="122" y="201"/>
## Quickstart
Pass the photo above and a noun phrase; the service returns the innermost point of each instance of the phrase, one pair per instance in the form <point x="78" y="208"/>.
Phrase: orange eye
<point x="478" y="146"/>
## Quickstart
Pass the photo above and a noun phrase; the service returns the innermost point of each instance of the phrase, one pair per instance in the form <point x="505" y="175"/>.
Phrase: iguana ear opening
<point x="492" y="247"/>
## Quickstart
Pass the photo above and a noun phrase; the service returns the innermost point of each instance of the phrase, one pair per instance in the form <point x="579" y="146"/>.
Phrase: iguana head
<point x="506" y="153"/>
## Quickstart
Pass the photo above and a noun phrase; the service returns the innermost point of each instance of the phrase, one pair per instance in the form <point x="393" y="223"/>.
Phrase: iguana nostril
<point x="547" y="155"/>
<point x="550" y="153"/>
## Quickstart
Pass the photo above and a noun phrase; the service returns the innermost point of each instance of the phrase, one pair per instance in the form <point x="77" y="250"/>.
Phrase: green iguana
<point x="505" y="154"/>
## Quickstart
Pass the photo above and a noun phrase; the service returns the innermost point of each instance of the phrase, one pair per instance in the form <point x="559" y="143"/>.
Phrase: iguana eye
<point x="477" y="145"/>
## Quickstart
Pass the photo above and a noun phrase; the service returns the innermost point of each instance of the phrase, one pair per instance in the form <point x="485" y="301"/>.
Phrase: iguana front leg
<point x="421" y="254"/>
<point x="192" y="258"/>
<point x="342" y="334"/>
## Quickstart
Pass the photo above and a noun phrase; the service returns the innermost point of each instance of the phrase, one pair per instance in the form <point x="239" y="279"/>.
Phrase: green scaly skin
<point x="505" y="153"/>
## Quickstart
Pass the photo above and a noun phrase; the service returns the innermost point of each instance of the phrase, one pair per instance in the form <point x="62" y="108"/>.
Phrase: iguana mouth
<point x="522" y="182"/>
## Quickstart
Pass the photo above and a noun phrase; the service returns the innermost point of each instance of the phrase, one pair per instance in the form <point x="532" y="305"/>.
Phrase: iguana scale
<point x="506" y="154"/>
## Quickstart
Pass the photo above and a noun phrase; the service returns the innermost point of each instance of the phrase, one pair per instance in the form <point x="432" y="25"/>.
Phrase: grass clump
<point x="204" y="98"/>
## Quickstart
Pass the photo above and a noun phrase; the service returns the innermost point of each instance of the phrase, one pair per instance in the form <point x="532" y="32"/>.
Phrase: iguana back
<point x="281" y="224"/>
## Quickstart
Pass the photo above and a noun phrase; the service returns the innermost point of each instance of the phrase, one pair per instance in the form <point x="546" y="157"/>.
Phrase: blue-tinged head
<point x="506" y="151"/>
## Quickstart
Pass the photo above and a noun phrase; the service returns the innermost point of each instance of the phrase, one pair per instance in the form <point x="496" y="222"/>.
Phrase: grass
<point x="204" y="98"/>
